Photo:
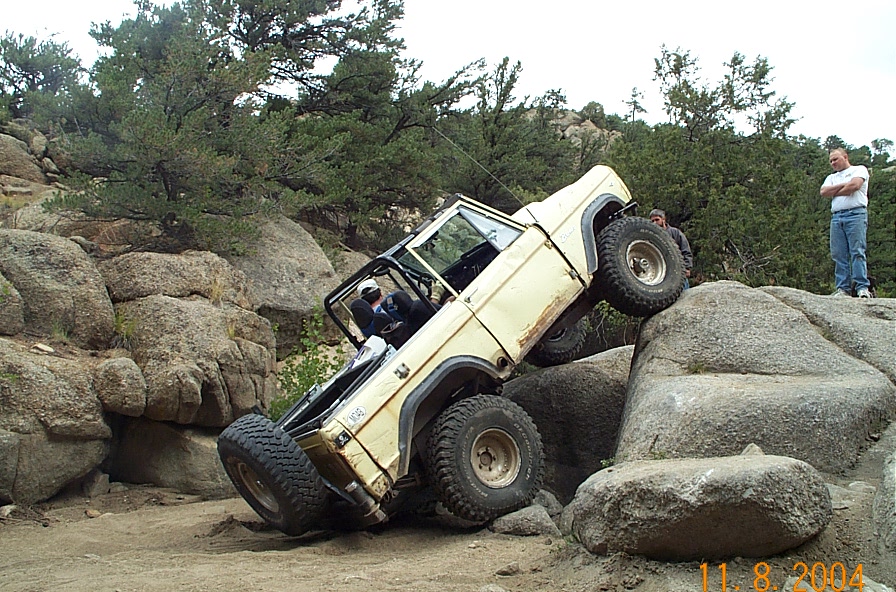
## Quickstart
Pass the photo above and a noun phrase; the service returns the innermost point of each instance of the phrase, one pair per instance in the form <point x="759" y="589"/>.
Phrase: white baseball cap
<point x="367" y="286"/>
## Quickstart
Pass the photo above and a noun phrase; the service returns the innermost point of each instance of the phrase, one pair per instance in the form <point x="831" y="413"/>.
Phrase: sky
<point x="835" y="60"/>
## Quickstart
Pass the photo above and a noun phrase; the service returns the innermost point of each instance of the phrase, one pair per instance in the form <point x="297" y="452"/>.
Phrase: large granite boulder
<point x="52" y="427"/>
<point x="864" y="329"/>
<point x="33" y="141"/>
<point x="137" y="275"/>
<point x="730" y="365"/>
<point x="120" y="386"/>
<point x="711" y="508"/>
<point x="16" y="161"/>
<point x="180" y="457"/>
<point x="106" y="236"/>
<point x="203" y="364"/>
<point x="62" y="292"/>
<point x="35" y="467"/>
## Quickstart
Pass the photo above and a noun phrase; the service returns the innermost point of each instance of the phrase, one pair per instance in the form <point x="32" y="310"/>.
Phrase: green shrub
<point x="125" y="329"/>
<point x="310" y="363"/>
<point x="60" y="331"/>
<point x="697" y="367"/>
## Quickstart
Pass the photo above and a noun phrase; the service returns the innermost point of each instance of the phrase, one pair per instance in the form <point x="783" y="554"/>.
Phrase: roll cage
<point x="450" y="248"/>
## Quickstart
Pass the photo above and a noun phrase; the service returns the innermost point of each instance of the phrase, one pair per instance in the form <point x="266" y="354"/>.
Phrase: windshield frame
<point x="411" y="268"/>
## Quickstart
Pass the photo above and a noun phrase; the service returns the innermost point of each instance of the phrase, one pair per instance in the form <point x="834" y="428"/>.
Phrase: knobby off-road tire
<point x="559" y="347"/>
<point x="485" y="458"/>
<point x="273" y="474"/>
<point x="640" y="268"/>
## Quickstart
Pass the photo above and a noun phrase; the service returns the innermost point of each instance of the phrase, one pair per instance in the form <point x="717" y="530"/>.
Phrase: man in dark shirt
<point x="659" y="217"/>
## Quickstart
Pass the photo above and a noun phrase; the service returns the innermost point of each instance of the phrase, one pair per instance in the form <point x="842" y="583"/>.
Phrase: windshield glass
<point x="461" y="235"/>
<point x="498" y="234"/>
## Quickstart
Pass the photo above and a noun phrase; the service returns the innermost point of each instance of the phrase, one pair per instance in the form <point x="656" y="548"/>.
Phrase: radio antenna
<point x="476" y="162"/>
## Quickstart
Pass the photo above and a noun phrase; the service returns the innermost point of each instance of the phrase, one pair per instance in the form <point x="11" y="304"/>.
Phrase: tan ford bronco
<point x="439" y="321"/>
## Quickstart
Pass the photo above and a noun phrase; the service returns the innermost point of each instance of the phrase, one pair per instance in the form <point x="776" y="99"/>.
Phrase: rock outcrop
<point x="864" y="329"/>
<point x="62" y="292"/>
<point x="52" y="427"/>
<point x="730" y="365"/>
<point x="288" y="275"/>
<point x="17" y="161"/>
<point x="138" y="275"/>
<point x="203" y="364"/>
<point x="179" y="457"/>
<point x="197" y="357"/>
<point x="121" y="387"/>
<point x="803" y="375"/>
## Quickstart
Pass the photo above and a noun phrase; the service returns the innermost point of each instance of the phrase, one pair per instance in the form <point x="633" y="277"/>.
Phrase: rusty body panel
<point x="319" y="448"/>
<point x="527" y="303"/>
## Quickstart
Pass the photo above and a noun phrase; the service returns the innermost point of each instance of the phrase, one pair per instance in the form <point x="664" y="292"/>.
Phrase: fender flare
<point x="594" y="217"/>
<point x="411" y="405"/>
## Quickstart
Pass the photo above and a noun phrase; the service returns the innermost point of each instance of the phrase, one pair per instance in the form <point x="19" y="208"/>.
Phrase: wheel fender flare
<point x="411" y="405"/>
<point x="589" y="232"/>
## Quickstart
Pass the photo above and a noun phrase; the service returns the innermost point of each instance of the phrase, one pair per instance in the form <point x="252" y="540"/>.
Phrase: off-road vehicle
<point x="466" y="296"/>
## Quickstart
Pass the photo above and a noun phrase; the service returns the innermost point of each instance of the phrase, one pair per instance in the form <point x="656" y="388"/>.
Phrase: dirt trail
<point x="150" y="539"/>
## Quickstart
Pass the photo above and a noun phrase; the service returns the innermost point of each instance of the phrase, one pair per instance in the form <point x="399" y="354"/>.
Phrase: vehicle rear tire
<point x="640" y="268"/>
<point x="485" y="458"/>
<point x="273" y="474"/>
<point x="559" y="347"/>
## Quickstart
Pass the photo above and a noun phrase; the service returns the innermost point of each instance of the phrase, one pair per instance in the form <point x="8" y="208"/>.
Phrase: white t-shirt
<point x="854" y="200"/>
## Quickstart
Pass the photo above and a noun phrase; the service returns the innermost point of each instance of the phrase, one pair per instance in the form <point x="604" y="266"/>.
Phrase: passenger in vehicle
<point x="396" y="304"/>
<point x="394" y="318"/>
<point x="418" y="314"/>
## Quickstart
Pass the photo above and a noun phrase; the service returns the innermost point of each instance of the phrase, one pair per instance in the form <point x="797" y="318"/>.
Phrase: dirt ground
<point x="152" y="539"/>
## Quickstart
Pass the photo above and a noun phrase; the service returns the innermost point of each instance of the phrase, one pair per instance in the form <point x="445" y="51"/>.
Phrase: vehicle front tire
<point x="559" y="347"/>
<point x="485" y="458"/>
<point x="273" y="474"/>
<point x="640" y="268"/>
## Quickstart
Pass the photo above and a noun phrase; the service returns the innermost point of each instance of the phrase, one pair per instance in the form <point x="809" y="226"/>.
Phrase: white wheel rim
<point x="495" y="458"/>
<point x="646" y="263"/>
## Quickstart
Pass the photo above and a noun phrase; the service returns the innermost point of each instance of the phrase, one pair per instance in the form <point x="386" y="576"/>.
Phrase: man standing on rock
<point x="658" y="217"/>
<point x="847" y="187"/>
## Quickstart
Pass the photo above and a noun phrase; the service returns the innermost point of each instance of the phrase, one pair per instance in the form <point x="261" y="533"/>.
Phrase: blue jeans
<point x="848" y="245"/>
